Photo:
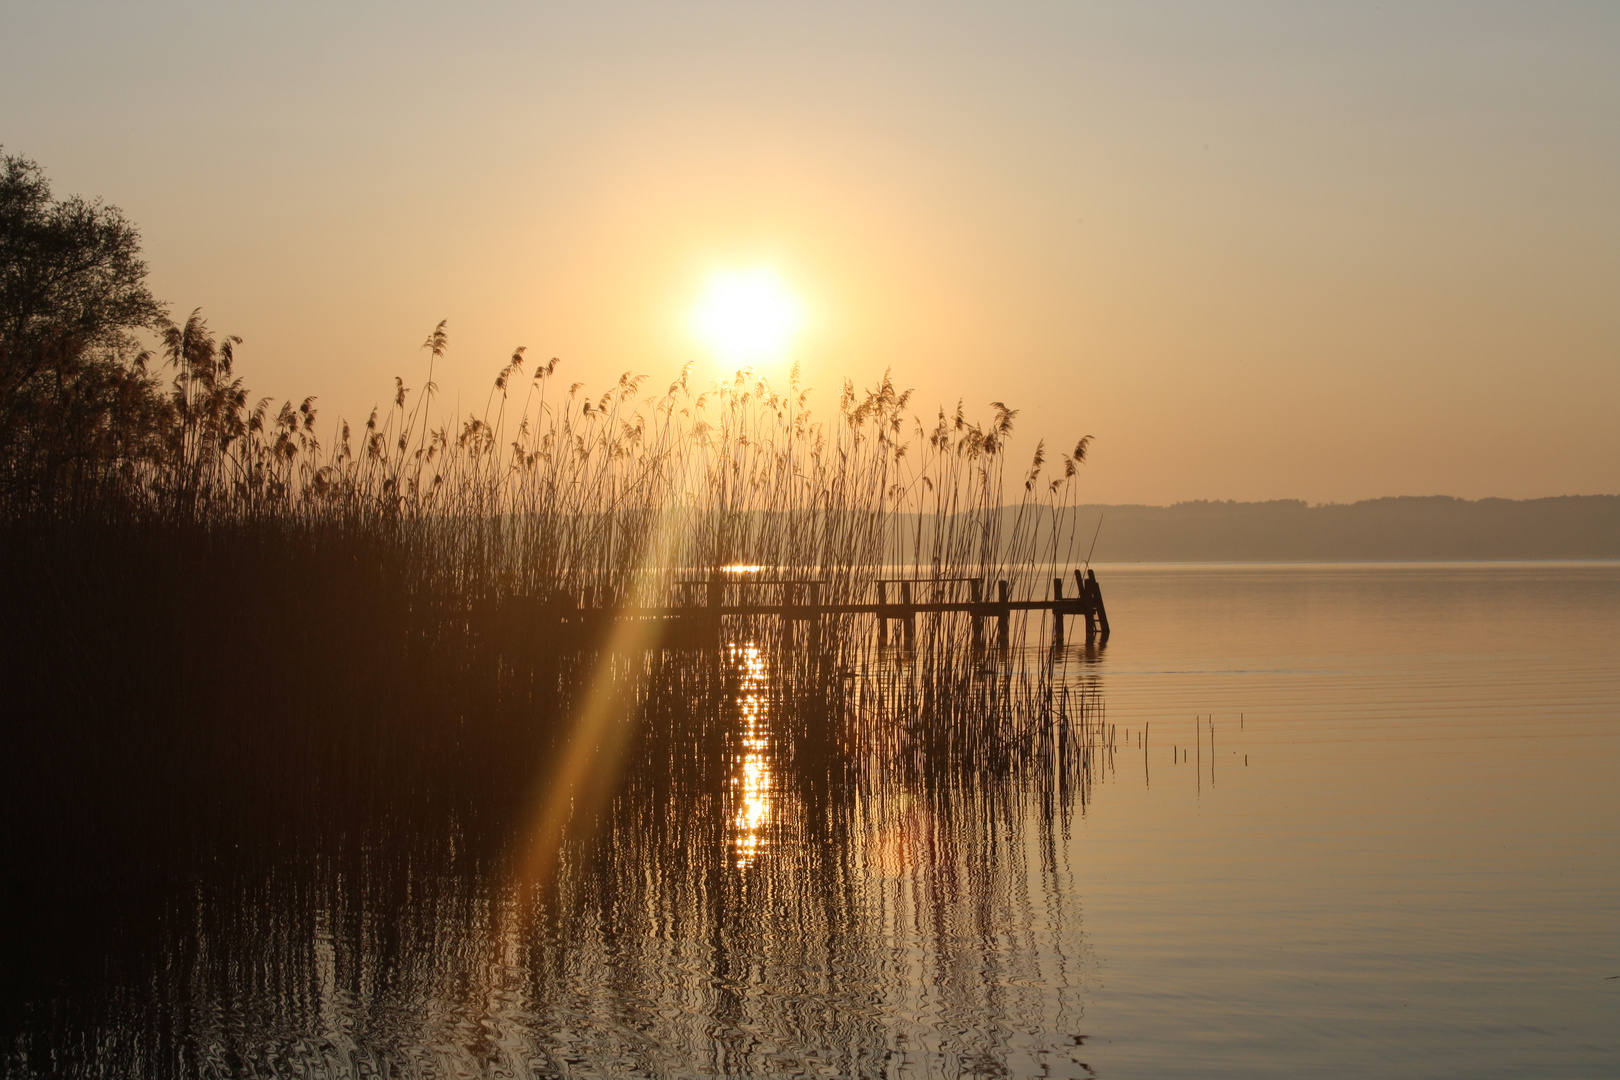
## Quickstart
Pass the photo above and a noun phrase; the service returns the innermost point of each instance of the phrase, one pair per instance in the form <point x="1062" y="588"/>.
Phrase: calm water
<point x="1313" y="821"/>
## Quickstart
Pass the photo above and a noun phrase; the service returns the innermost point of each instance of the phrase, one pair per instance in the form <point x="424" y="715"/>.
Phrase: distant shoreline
<point x="1400" y="529"/>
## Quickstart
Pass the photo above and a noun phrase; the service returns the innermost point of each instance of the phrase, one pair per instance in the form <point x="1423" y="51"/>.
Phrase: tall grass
<point x="552" y="491"/>
<point x="269" y="623"/>
<point x="273" y="647"/>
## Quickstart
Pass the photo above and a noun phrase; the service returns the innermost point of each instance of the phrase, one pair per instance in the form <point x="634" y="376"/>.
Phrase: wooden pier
<point x="898" y="601"/>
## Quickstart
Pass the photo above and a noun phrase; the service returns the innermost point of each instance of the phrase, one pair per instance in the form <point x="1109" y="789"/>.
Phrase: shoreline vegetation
<point x="546" y="490"/>
<point x="229" y="630"/>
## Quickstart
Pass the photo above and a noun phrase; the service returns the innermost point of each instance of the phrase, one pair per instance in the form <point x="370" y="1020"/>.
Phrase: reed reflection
<point x="794" y="872"/>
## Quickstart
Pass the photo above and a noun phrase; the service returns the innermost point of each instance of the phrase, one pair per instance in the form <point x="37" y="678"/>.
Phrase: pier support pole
<point x="883" y="614"/>
<point x="1086" y="605"/>
<point x="790" y="601"/>
<point x="976" y="587"/>
<point x="815" y="620"/>
<point x="1057" y="613"/>
<point x="1004" y="619"/>
<point x="717" y="592"/>
<point x="1097" y="602"/>
<point x="909" y="624"/>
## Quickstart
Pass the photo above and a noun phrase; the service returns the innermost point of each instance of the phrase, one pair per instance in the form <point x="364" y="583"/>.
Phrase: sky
<point x="1293" y="250"/>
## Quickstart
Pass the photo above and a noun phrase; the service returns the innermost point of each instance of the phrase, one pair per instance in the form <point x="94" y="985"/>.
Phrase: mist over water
<point x="1325" y="820"/>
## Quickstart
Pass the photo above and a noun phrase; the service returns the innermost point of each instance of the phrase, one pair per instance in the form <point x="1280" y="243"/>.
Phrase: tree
<point x="75" y="394"/>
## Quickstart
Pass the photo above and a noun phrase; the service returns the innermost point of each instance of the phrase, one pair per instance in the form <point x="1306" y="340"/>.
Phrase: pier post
<point x="1003" y="619"/>
<point x="909" y="624"/>
<point x="1086" y="605"/>
<point x="976" y="587"/>
<point x="815" y="619"/>
<point x="1057" y="613"/>
<point x="1097" y="602"/>
<point x="717" y="592"/>
<point x="883" y="614"/>
<point x="790" y="600"/>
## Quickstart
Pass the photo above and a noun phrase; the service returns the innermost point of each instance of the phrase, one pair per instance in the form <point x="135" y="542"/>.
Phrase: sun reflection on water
<point x="751" y="781"/>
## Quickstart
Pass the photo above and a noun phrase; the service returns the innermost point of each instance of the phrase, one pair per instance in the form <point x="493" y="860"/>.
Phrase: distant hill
<point x="1396" y="529"/>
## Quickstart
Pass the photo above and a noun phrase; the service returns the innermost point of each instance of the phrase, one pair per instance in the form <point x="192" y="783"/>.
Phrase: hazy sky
<point x="1258" y="250"/>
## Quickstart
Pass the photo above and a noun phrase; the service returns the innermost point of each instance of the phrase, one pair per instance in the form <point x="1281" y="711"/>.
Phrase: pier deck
<point x="801" y="603"/>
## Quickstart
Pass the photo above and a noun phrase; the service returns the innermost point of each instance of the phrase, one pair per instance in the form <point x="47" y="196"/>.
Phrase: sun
<point x="747" y="317"/>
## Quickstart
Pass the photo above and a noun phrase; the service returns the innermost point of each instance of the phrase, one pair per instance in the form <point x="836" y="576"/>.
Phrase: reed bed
<point x="241" y="642"/>
<point x="616" y="499"/>
<point x="259" y="627"/>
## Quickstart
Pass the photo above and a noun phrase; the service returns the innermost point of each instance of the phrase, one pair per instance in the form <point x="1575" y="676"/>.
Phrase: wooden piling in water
<point x="717" y="594"/>
<point x="976" y="590"/>
<point x="1085" y="606"/>
<point x="815" y="618"/>
<point x="909" y="621"/>
<point x="1057" y="613"/>
<point x="1097" y="602"/>
<point x="1004" y="619"/>
<point x="883" y="613"/>
<point x="790" y="599"/>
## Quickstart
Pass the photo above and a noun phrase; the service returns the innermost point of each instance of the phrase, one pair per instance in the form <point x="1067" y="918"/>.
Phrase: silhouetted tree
<point x="76" y="398"/>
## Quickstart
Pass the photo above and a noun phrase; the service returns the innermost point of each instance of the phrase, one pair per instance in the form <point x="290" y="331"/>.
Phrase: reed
<point x="255" y="626"/>
<point x="553" y="492"/>
<point x="240" y="641"/>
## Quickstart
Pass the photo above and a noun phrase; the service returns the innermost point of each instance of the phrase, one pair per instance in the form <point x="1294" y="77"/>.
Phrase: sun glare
<point x="747" y="317"/>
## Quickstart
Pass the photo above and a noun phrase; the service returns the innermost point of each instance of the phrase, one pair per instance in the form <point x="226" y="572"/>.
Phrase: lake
<point x="1298" y="820"/>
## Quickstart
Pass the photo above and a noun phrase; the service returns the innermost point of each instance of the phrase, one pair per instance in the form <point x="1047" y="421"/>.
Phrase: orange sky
<point x="1260" y="251"/>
